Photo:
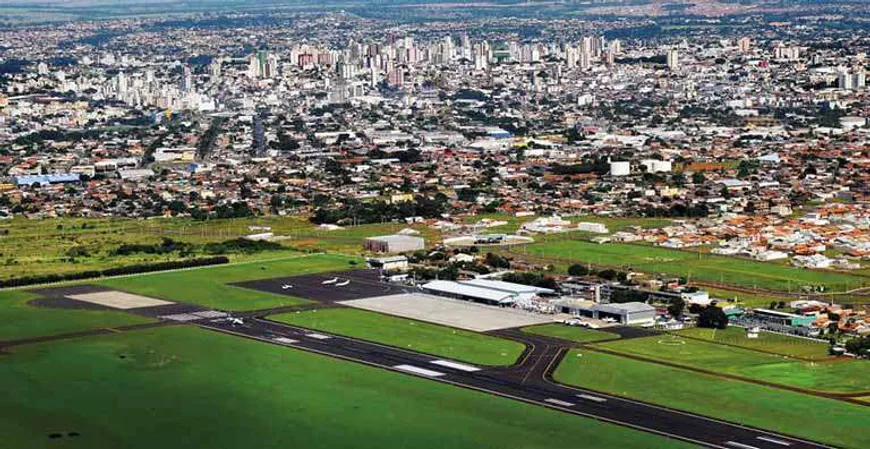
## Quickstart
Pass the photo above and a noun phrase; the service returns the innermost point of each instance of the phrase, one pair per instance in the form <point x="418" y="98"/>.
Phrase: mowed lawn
<point x="208" y="286"/>
<point x="185" y="387"/>
<point x="573" y="333"/>
<point x="21" y="320"/>
<point x="766" y="341"/>
<point x="826" y="420"/>
<point x="839" y="377"/>
<point x="408" y="334"/>
<point x="696" y="266"/>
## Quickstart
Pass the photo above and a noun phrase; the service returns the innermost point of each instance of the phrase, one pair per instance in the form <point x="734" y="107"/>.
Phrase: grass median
<point x="572" y="333"/>
<point x="408" y="334"/>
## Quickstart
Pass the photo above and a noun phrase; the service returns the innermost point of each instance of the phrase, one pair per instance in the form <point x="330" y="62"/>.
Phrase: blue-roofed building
<point x="29" y="180"/>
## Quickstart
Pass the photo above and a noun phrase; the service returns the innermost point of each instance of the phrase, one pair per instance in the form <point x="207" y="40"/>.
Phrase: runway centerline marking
<point x="455" y="365"/>
<point x="418" y="370"/>
<point x="771" y="440"/>
<point x="559" y="402"/>
<point x="740" y="445"/>
<point x="318" y="336"/>
<point x="589" y="397"/>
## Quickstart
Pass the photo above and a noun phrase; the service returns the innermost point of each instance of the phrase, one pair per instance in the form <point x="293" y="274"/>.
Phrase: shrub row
<point x="129" y="269"/>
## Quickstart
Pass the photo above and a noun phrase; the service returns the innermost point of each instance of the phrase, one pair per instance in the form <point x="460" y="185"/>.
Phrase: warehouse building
<point x="629" y="313"/>
<point x="393" y="243"/>
<point x="486" y="291"/>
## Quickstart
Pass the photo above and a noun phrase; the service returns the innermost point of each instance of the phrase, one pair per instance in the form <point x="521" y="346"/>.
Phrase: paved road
<point x="528" y="381"/>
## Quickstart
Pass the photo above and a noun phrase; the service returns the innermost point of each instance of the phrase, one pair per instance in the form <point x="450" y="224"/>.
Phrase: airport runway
<point x="528" y="381"/>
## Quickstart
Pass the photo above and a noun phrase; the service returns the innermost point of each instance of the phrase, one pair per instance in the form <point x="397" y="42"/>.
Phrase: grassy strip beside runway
<point x="21" y="320"/>
<point x="811" y="417"/>
<point x="208" y="286"/>
<point x="185" y="387"/>
<point x="693" y="265"/>
<point x="408" y="334"/>
<point x="836" y="377"/>
<point x="573" y="333"/>
<point x="766" y="341"/>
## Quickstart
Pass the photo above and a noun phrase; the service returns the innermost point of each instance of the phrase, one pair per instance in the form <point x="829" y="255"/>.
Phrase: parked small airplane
<point x="286" y="286"/>
<point x="235" y="321"/>
<point x="330" y="281"/>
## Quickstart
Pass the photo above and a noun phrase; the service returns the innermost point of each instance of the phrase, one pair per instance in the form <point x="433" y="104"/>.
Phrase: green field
<point x="184" y="387"/>
<point x="21" y="320"/>
<point x="695" y="266"/>
<point x="408" y="334"/>
<point x="208" y="286"/>
<point x="33" y="247"/>
<point x="747" y="300"/>
<point x="766" y="341"/>
<point x="573" y="333"/>
<point x="834" y="422"/>
<point x="841" y="377"/>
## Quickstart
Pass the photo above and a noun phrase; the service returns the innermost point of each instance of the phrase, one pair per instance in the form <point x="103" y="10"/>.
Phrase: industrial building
<point x="394" y="263"/>
<point x="486" y="291"/>
<point x="630" y="313"/>
<point x="394" y="243"/>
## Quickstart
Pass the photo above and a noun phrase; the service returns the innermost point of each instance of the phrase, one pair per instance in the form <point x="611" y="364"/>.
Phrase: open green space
<point x="208" y="286"/>
<point x="573" y="333"/>
<point x="746" y="299"/>
<point x="766" y="341"/>
<point x="841" y="377"/>
<point x="185" y="387"/>
<point x="695" y="265"/>
<point x="64" y="245"/>
<point x="826" y="420"/>
<point x="417" y="336"/>
<point x="21" y="320"/>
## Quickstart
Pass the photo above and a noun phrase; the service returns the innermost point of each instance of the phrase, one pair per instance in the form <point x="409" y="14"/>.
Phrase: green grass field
<point x="841" y="377"/>
<point x="21" y="320"/>
<point x="30" y="247"/>
<point x="208" y="286"/>
<point x="409" y="334"/>
<point x="766" y="341"/>
<point x="573" y="333"/>
<point x="185" y="387"/>
<point x="820" y="419"/>
<point x="696" y="266"/>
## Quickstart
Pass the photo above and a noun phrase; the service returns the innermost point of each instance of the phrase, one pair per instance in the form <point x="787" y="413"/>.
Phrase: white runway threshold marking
<point x="285" y="340"/>
<point x="455" y="365"/>
<point x="740" y="445"/>
<point x="771" y="440"/>
<point x="318" y="336"/>
<point x="418" y="370"/>
<point x="589" y="397"/>
<point x="559" y="402"/>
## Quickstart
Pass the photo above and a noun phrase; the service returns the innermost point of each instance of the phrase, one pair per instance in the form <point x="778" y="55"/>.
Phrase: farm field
<point x="695" y="266"/>
<point x="573" y="333"/>
<point x="184" y="387"/>
<point x="841" y="377"/>
<point x="413" y="335"/>
<point x="21" y="320"/>
<point x="730" y="400"/>
<point x="766" y="341"/>
<point x="208" y="286"/>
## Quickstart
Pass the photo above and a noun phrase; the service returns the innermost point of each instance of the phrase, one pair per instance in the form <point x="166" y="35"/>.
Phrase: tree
<point x="859" y="346"/>
<point x="496" y="261"/>
<point x="578" y="270"/>
<point x="676" y="307"/>
<point x="712" y="317"/>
